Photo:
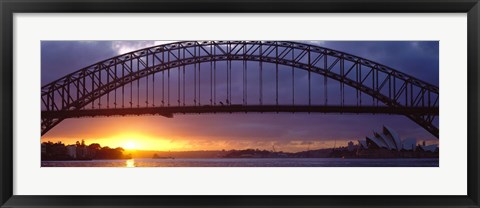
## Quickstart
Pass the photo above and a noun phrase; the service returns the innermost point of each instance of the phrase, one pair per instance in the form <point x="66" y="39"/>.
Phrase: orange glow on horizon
<point x="131" y="141"/>
<point x="155" y="134"/>
<point x="128" y="141"/>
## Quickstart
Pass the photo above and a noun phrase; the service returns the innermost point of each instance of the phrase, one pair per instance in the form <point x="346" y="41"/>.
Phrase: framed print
<point x="245" y="104"/>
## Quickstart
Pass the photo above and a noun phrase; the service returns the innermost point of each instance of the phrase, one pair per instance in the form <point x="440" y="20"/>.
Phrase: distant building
<point x="351" y="147"/>
<point x="429" y="148"/>
<point x="72" y="151"/>
<point x="409" y="144"/>
<point x="81" y="151"/>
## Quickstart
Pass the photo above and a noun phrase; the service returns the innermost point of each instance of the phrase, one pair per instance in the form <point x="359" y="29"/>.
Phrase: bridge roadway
<point x="168" y="111"/>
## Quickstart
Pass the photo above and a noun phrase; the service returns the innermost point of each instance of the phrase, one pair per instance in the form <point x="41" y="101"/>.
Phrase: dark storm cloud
<point x="419" y="59"/>
<point x="63" y="57"/>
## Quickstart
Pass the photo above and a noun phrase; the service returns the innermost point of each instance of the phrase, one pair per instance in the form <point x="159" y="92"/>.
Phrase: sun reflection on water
<point x="130" y="163"/>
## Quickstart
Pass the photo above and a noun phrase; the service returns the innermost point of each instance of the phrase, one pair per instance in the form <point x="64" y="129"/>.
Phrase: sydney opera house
<point x="388" y="144"/>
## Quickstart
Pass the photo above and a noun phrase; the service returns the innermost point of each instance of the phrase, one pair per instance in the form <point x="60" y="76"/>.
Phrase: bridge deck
<point x="168" y="111"/>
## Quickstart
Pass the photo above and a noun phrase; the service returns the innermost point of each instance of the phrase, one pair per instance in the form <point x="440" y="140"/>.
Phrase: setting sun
<point x="130" y="145"/>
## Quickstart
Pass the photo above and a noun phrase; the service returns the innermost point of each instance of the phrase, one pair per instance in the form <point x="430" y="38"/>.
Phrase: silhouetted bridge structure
<point x="235" y="77"/>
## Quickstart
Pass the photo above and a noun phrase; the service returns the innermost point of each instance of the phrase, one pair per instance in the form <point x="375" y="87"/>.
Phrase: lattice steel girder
<point x="323" y="61"/>
<point x="104" y="88"/>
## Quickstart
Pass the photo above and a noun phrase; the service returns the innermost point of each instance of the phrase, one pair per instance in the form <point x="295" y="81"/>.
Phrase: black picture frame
<point x="9" y="7"/>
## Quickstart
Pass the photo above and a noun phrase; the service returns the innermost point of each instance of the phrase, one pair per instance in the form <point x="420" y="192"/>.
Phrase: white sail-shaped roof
<point x="391" y="134"/>
<point x="363" y="143"/>
<point x="379" y="142"/>
<point x="390" y="140"/>
<point x="390" y="143"/>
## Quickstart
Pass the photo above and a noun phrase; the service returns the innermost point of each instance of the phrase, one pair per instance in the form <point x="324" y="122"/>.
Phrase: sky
<point x="285" y="131"/>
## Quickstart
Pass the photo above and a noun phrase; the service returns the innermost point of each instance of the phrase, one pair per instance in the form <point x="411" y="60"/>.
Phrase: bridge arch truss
<point x="397" y="92"/>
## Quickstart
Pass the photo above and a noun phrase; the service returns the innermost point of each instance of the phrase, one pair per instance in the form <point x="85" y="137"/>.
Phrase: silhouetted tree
<point x="58" y="151"/>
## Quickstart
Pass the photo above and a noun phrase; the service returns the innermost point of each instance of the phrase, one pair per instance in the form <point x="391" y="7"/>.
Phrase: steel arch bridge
<point x="140" y="82"/>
